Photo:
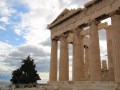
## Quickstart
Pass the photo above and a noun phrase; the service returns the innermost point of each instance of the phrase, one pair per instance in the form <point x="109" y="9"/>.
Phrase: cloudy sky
<point x="23" y="31"/>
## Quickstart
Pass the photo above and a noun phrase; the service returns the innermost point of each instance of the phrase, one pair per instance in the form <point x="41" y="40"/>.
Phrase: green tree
<point x="26" y="74"/>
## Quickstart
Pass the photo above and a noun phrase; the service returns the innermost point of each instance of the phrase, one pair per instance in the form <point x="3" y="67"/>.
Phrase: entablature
<point x="98" y="10"/>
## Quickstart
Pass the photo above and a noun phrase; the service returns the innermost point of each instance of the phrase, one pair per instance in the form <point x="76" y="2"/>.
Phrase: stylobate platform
<point x="82" y="85"/>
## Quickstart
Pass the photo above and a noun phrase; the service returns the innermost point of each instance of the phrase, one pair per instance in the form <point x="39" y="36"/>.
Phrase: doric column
<point x="116" y="44"/>
<point x="110" y="53"/>
<point x="53" y="61"/>
<point x="95" y="65"/>
<point x="78" y="62"/>
<point x="87" y="66"/>
<point x="64" y="62"/>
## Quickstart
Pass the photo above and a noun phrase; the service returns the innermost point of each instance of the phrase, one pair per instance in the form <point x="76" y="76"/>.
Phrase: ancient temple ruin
<point x="79" y="27"/>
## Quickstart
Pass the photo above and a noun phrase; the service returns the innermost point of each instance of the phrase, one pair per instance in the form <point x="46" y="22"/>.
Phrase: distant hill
<point x="4" y="83"/>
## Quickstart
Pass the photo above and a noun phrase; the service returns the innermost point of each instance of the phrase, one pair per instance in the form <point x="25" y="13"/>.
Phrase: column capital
<point x="77" y="29"/>
<point x="63" y="35"/>
<point x="108" y="28"/>
<point x="55" y="38"/>
<point x="93" y="22"/>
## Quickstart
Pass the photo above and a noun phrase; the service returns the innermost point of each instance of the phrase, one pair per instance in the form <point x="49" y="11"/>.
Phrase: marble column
<point x="78" y="62"/>
<point x="87" y="66"/>
<point x="110" y="53"/>
<point x="116" y="44"/>
<point x="95" y="65"/>
<point x="64" y="61"/>
<point x="53" y="61"/>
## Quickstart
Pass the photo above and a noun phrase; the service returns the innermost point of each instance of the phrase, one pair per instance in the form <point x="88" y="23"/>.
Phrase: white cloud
<point x="4" y="19"/>
<point x="5" y="68"/>
<point x="2" y="28"/>
<point x="5" y="9"/>
<point x="44" y="77"/>
<point x="2" y="3"/>
<point x="35" y="22"/>
<point x="103" y="48"/>
<point x="5" y="12"/>
<point x="18" y="31"/>
<point x="5" y="46"/>
<point x="4" y="51"/>
<point x="42" y="13"/>
<point x="72" y="3"/>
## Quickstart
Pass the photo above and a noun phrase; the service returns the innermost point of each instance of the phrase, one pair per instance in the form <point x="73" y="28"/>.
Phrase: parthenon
<point x="79" y="27"/>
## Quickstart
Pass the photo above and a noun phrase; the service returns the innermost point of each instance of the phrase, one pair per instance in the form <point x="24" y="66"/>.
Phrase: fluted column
<point x="87" y="66"/>
<point x="64" y="62"/>
<point x="78" y="62"/>
<point x="110" y="53"/>
<point x="116" y="44"/>
<point x="53" y="61"/>
<point x="95" y="65"/>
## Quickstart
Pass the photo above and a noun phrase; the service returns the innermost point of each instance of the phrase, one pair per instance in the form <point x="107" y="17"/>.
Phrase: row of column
<point x="64" y="61"/>
<point x="92" y="60"/>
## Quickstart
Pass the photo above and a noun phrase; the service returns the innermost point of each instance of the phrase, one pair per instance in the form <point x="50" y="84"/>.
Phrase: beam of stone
<point x="116" y="44"/>
<point x="53" y="61"/>
<point x="78" y="62"/>
<point x="110" y="53"/>
<point x="100" y="26"/>
<point x="95" y="65"/>
<point x="86" y="32"/>
<point x="64" y="62"/>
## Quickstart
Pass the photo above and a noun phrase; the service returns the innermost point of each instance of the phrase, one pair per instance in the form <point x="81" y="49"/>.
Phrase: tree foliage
<point x="26" y="74"/>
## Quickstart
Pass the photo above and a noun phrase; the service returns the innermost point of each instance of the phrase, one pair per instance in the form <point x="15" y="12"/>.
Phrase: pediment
<point x="62" y="14"/>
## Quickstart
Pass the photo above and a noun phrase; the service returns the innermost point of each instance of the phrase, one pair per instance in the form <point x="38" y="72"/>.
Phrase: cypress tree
<point x="26" y="74"/>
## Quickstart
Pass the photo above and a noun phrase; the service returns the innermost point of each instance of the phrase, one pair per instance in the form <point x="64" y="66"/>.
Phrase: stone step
<point x="83" y="85"/>
<point x="81" y="88"/>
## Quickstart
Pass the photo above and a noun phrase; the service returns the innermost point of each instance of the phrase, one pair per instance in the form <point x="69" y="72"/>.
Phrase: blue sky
<point x="11" y="19"/>
<point x="23" y="31"/>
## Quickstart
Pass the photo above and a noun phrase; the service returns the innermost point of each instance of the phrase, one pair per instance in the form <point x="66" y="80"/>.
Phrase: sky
<point x="23" y="31"/>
